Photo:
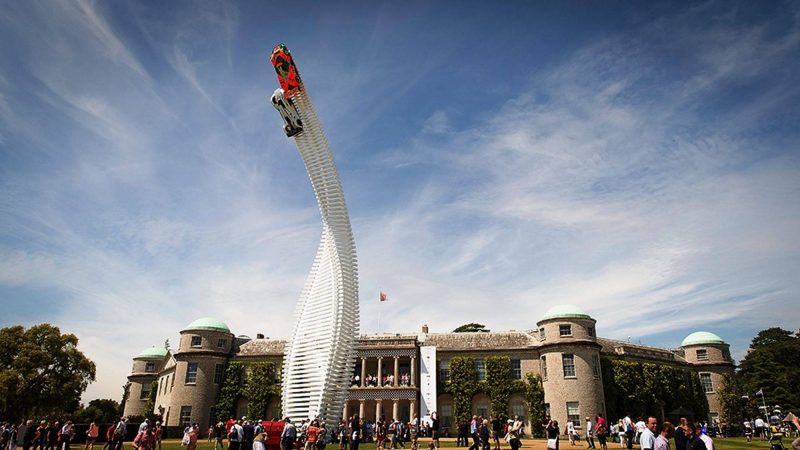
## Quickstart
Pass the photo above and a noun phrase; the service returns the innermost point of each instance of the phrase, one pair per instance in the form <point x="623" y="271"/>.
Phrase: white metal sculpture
<point x="320" y="355"/>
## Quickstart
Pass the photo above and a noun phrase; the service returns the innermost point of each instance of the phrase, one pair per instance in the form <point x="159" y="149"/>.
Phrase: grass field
<point x="532" y="444"/>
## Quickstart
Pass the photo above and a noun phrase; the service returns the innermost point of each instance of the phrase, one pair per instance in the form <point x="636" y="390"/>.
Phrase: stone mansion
<point x="564" y="349"/>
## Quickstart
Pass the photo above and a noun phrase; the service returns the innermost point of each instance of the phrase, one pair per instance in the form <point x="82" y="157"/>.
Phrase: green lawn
<point x="533" y="444"/>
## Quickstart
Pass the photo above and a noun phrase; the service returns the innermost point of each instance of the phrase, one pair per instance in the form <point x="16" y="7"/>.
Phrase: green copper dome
<point x="152" y="353"/>
<point x="565" y="312"/>
<point x="700" y="338"/>
<point x="208" y="323"/>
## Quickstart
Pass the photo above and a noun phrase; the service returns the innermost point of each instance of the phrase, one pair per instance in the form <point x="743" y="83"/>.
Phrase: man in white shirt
<point x="707" y="440"/>
<point x="590" y="432"/>
<point x="647" y="438"/>
<point x="759" y="422"/>
<point x="662" y="440"/>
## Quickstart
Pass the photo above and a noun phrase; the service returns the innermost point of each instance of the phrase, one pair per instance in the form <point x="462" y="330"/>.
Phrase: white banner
<point x="427" y="380"/>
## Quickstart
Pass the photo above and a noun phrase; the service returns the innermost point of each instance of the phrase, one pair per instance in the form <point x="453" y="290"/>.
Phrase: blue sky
<point x="641" y="161"/>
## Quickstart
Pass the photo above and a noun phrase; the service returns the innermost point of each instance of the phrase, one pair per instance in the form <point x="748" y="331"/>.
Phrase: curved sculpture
<point x="320" y="355"/>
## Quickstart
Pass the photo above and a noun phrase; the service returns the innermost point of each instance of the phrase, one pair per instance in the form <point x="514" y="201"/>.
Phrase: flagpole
<point x="764" y="404"/>
<point x="380" y="313"/>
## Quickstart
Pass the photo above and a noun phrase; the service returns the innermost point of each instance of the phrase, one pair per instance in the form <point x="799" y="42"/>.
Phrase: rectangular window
<point x="590" y="330"/>
<point x="191" y="373"/>
<point x="516" y="369"/>
<point x="218" y="371"/>
<point x="444" y="371"/>
<point x="149" y="367"/>
<point x="145" y="391"/>
<point x="565" y="330"/>
<point x="568" y="361"/>
<point x="705" y="380"/>
<point x="544" y="368"/>
<point x="222" y="343"/>
<point x="480" y="369"/>
<point x="702" y="354"/>
<point x="186" y="416"/>
<point x="446" y="410"/>
<point x="197" y="341"/>
<point x="596" y="365"/>
<point x="574" y="413"/>
<point x="541" y="334"/>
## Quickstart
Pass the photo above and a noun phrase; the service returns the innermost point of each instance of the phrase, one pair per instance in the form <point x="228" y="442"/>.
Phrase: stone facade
<point x="564" y="349"/>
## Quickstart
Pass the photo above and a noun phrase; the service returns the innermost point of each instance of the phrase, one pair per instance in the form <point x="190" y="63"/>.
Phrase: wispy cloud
<point x="641" y="174"/>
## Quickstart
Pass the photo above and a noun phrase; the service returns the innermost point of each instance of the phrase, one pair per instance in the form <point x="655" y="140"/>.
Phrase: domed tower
<point x="204" y="349"/>
<point x="711" y="357"/>
<point x="146" y="366"/>
<point x="569" y="358"/>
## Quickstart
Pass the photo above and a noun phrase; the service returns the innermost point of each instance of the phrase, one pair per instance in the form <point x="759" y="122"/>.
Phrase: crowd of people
<point x="386" y="380"/>
<point x="479" y="434"/>
<point x="56" y="436"/>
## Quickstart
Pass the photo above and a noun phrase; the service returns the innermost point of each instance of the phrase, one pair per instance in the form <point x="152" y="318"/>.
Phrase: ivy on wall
<point x="150" y="405"/>
<point x="534" y="397"/>
<point x="499" y="385"/>
<point x="230" y="391"/>
<point x="263" y="383"/>
<point x="258" y="382"/>
<point x="462" y="385"/>
<point x="642" y="389"/>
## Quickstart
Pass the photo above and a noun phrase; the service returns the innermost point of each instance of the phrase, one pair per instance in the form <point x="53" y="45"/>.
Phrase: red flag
<point x="383" y="296"/>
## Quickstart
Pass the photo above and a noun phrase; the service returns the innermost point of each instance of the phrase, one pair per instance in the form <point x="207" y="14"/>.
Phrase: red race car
<point x="286" y="70"/>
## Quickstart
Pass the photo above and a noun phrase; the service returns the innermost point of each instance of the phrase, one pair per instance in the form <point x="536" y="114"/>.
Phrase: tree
<point x="98" y="410"/>
<point x="471" y="328"/>
<point x="771" y="365"/>
<point x="42" y="372"/>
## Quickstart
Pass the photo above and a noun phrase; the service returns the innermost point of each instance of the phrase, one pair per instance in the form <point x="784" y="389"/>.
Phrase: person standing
<point x="40" y="440"/>
<point x="473" y="432"/>
<point x="647" y="439"/>
<point x="91" y="436"/>
<point x="52" y="435"/>
<point x="662" y="440"/>
<point x="682" y="435"/>
<point x="158" y="434"/>
<point x="312" y="433"/>
<point x="435" y="424"/>
<point x="219" y="436"/>
<point x="552" y="435"/>
<point x="67" y="431"/>
<point x="570" y="432"/>
<point x="693" y="433"/>
<point x="119" y="433"/>
<point x="589" y="432"/>
<point x="355" y="432"/>
<point x="194" y="434"/>
<point x="496" y="429"/>
<point x="27" y="436"/>
<point x="601" y="430"/>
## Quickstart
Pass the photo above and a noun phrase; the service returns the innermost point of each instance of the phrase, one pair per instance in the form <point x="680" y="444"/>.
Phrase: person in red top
<point x="312" y="433"/>
<point x="228" y="425"/>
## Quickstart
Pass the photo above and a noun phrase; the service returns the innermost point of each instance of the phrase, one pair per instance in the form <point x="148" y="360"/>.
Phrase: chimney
<point x="425" y="329"/>
<point x="259" y="336"/>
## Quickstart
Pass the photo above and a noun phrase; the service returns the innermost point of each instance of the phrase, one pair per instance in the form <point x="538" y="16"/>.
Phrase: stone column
<point x="395" y="409"/>
<point x="413" y="371"/>
<point x="396" y="371"/>
<point x="346" y="410"/>
<point x="361" y="406"/>
<point x="412" y="409"/>
<point x="378" y="409"/>
<point x="363" y="372"/>
<point x="380" y="370"/>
